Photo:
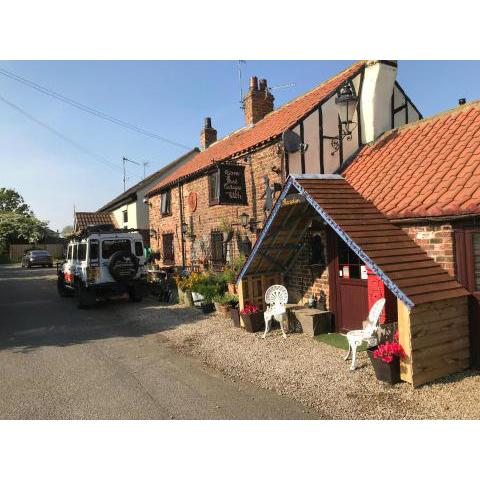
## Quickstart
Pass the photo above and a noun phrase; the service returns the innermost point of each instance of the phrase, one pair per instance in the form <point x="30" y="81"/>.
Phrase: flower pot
<point x="253" y="322"/>
<point x="187" y="298"/>
<point x="385" y="372"/>
<point x="232" y="288"/>
<point x="207" y="308"/>
<point x="222" y="308"/>
<point x="235" y="316"/>
<point x="181" y="295"/>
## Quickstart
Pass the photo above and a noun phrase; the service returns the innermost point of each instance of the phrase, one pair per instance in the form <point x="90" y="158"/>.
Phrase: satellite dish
<point x="291" y="141"/>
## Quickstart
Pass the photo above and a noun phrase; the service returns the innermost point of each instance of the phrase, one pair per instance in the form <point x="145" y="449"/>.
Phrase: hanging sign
<point x="232" y="190"/>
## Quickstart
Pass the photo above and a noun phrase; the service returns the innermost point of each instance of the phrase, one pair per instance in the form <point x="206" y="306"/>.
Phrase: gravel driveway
<point x="311" y="372"/>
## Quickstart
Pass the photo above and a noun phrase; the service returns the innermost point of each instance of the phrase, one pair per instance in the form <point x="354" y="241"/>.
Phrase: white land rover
<point x="103" y="261"/>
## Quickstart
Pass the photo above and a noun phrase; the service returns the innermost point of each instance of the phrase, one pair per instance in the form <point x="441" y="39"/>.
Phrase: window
<point x="109" y="247"/>
<point x="125" y="216"/>
<point x="165" y="203"/>
<point x="93" y="250"/>
<point x="82" y="251"/>
<point x="138" y="249"/>
<point x="214" y="187"/>
<point x="167" y="244"/>
<point x="75" y="252"/>
<point x="217" y="250"/>
<point x="70" y="252"/>
<point x="350" y="265"/>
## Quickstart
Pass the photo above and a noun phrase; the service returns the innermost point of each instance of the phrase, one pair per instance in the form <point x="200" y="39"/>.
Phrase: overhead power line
<point x="77" y="145"/>
<point x="90" y="110"/>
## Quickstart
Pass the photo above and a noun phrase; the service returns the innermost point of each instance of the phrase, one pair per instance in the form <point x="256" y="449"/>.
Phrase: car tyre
<point x="29" y="265"/>
<point x="63" y="291"/>
<point x="86" y="298"/>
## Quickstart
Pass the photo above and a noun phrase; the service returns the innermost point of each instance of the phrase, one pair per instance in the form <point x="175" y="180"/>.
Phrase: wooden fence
<point x="17" y="251"/>
<point x="253" y="287"/>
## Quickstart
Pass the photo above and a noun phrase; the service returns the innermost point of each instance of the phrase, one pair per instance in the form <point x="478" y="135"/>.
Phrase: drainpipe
<point x="182" y="241"/>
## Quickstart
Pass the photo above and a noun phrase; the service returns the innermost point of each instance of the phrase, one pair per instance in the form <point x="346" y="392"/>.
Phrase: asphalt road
<point x="59" y="362"/>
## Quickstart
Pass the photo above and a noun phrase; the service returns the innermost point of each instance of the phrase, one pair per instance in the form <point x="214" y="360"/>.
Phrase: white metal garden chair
<point x="276" y="297"/>
<point x="357" y="337"/>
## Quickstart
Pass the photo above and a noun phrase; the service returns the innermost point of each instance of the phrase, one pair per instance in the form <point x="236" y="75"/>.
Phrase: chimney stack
<point x="258" y="102"/>
<point x="208" y="135"/>
<point x="462" y="101"/>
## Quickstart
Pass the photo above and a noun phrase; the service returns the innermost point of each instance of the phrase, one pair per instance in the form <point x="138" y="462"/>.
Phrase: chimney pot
<point x="462" y="101"/>
<point x="208" y="135"/>
<point x="257" y="103"/>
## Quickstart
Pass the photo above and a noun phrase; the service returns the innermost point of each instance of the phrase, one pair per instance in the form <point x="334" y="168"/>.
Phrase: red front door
<point x="350" y="287"/>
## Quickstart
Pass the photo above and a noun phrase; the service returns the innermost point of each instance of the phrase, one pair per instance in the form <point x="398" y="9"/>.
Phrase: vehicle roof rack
<point x="102" y="228"/>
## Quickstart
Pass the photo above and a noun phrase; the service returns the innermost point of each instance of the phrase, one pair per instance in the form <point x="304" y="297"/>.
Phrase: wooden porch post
<point x="241" y="300"/>
<point x="404" y="338"/>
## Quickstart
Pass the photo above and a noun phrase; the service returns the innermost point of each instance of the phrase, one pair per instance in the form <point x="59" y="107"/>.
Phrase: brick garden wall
<point x="207" y="218"/>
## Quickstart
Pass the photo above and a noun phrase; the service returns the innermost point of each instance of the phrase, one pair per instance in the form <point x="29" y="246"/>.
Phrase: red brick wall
<point x="301" y="284"/>
<point x="207" y="218"/>
<point x="437" y="241"/>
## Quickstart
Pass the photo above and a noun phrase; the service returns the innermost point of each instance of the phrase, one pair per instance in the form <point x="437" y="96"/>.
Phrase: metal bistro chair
<point x="276" y="297"/>
<point x="357" y="337"/>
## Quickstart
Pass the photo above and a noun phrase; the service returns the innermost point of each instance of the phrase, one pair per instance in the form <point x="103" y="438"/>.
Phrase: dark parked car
<point x="37" y="257"/>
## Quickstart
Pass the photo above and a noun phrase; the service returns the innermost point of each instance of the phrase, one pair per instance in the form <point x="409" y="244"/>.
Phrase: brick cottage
<point x="418" y="176"/>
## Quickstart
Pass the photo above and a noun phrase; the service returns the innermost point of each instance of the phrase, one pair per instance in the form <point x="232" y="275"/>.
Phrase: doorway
<point x="348" y="286"/>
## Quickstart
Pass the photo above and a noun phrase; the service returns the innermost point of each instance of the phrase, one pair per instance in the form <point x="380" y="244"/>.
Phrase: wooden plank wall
<point x="435" y="337"/>
<point x="253" y="288"/>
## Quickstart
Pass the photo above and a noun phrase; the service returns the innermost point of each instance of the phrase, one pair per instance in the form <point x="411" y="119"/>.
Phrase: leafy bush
<point x="226" y="299"/>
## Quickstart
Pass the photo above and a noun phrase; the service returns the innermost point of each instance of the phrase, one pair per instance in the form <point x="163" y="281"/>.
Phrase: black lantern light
<point x="244" y="220"/>
<point x="346" y="102"/>
<point x="184" y="228"/>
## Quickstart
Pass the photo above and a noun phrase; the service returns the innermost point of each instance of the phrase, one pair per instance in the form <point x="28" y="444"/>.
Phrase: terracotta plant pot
<point x="223" y="309"/>
<point x="254" y="322"/>
<point x="235" y="316"/>
<point x="385" y="372"/>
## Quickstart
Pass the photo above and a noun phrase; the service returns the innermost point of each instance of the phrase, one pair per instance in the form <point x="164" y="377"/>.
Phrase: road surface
<point x="59" y="362"/>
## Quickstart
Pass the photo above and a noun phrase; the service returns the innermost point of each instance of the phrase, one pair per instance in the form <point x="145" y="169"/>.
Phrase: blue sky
<point x="169" y="98"/>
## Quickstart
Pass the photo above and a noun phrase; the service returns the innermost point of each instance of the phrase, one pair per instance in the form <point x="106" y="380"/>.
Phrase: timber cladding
<point x="435" y="337"/>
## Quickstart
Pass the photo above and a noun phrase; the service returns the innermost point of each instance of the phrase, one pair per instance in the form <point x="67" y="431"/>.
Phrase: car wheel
<point x="62" y="289"/>
<point x="86" y="298"/>
<point x="29" y="265"/>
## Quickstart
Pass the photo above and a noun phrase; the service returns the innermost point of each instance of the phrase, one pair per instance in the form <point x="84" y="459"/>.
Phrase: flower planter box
<point x="235" y="316"/>
<point x="253" y="322"/>
<point x="385" y="372"/>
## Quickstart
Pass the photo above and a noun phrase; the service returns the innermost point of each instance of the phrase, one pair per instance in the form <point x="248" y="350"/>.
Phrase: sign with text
<point x="232" y="190"/>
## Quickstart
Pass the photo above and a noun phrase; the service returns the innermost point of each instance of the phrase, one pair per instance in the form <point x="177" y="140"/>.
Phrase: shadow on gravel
<point x="32" y="315"/>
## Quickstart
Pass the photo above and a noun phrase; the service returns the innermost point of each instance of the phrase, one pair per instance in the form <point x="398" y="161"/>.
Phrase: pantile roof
<point x="430" y="168"/>
<point x="270" y="127"/>
<point x="83" y="219"/>
<point x="391" y="253"/>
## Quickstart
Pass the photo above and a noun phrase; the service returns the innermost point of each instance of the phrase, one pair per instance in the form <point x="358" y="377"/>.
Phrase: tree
<point x="12" y="201"/>
<point x="15" y="226"/>
<point x="66" y="231"/>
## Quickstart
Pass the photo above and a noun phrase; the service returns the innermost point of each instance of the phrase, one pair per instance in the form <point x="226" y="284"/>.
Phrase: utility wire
<point x="83" y="149"/>
<point x="86" y="108"/>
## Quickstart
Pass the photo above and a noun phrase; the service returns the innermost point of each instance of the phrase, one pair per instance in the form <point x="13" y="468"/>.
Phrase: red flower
<point x="387" y="351"/>
<point x="248" y="309"/>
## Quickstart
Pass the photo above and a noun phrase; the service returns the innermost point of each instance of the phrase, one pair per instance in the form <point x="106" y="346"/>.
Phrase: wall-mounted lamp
<point x="146" y="201"/>
<point x="153" y="233"/>
<point x="346" y="102"/>
<point x="246" y="223"/>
